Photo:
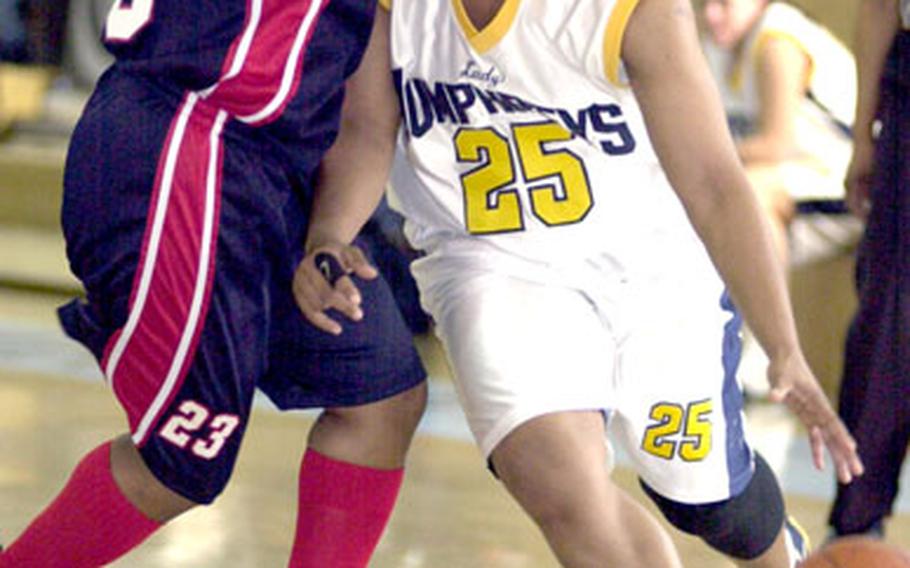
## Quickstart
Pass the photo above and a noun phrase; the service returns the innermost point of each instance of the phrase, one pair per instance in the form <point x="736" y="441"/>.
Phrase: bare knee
<point x="555" y="466"/>
<point x="396" y="415"/>
<point x="377" y="434"/>
<point x="140" y="486"/>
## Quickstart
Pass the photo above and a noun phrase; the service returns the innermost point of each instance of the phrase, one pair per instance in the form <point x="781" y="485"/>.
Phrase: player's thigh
<point x="545" y="456"/>
<point x="172" y="267"/>
<point x="521" y="349"/>
<point x="681" y="417"/>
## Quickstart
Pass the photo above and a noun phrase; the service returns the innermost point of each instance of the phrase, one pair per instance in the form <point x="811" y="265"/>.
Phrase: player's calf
<point x="90" y="523"/>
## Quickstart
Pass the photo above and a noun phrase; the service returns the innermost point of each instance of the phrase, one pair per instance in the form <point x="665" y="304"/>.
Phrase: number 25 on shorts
<point x="680" y="431"/>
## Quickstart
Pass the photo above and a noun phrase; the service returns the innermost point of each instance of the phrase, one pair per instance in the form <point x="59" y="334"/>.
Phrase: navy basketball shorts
<point x="186" y="234"/>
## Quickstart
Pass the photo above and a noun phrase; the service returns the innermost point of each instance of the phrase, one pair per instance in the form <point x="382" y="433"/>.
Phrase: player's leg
<point x="350" y="477"/>
<point x="751" y="528"/>
<point x="94" y="519"/>
<point x="159" y="321"/>
<point x="372" y="385"/>
<point x="683" y="424"/>
<point x="555" y="468"/>
<point x="533" y="366"/>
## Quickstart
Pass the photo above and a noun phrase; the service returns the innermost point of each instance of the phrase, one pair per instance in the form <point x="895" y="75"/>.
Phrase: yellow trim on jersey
<point x="768" y="35"/>
<point x="735" y="80"/>
<point x="483" y="40"/>
<point x="616" y="28"/>
<point x="387" y="4"/>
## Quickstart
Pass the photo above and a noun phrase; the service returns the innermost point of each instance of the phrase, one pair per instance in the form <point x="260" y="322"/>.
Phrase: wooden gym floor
<point x="451" y="513"/>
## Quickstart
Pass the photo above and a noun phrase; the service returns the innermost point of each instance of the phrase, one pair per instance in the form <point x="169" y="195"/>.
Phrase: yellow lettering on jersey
<point x="554" y="205"/>
<point x="489" y="206"/>
<point x="492" y="204"/>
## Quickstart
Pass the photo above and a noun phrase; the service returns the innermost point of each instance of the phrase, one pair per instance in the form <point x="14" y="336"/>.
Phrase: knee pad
<point x="743" y="527"/>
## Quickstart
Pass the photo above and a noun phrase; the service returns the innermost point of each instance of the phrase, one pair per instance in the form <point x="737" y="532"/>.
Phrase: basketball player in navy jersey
<point x="192" y="192"/>
<point x="579" y="200"/>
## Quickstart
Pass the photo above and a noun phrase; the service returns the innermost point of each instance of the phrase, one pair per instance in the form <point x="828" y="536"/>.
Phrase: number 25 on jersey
<point x="558" y="183"/>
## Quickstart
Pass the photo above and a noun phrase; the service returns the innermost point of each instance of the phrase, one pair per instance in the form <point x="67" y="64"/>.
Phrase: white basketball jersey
<point x="523" y="134"/>
<point x="826" y="113"/>
<point x="905" y="13"/>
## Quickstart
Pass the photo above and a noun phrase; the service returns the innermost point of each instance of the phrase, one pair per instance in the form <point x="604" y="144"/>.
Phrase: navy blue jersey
<point x="273" y="64"/>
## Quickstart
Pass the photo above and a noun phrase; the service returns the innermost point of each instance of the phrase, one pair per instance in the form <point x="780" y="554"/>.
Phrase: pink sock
<point x="90" y="523"/>
<point x="343" y="509"/>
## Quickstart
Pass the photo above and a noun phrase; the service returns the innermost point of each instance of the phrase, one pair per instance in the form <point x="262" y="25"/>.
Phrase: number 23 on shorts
<point x="679" y="431"/>
<point x="125" y="19"/>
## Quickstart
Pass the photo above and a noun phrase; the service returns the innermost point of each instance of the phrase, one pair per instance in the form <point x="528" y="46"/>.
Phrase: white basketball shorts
<point x="657" y="355"/>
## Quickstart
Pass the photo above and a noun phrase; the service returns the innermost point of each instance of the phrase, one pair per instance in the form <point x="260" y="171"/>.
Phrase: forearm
<point x="738" y="239"/>
<point x="876" y="27"/>
<point x="351" y="182"/>
<point x="354" y="172"/>
<point x="707" y="176"/>
<point x="764" y="148"/>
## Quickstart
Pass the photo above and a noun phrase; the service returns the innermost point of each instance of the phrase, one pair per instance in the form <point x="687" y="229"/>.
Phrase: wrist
<point x="317" y="241"/>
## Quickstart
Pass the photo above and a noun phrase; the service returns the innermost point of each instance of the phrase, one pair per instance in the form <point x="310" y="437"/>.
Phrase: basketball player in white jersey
<point x="578" y="194"/>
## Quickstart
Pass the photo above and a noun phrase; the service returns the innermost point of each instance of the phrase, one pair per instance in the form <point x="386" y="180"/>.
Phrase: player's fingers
<point x="817" y="443"/>
<point x="843" y="448"/>
<point x="357" y="263"/>
<point x="346" y="298"/>
<point x="311" y="296"/>
<point x="779" y="394"/>
<point x="324" y="322"/>
<point x="809" y="404"/>
<point x="310" y="290"/>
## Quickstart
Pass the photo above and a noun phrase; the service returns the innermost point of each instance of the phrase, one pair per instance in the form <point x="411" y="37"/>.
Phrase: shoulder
<point x="590" y="31"/>
<point x="783" y="16"/>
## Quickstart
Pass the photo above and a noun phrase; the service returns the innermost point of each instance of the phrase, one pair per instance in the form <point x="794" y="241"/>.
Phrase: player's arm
<point x="876" y="27"/>
<point x="352" y="178"/>
<point x="685" y="121"/>
<point x="782" y="70"/>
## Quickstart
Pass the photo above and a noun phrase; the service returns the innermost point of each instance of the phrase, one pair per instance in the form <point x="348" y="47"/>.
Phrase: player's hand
<point x="323" y="280"/>
<point x="793" y="384"/>
<point x="859" y="175"/>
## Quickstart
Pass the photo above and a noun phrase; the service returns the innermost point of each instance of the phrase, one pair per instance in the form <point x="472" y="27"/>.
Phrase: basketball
<point x="858" y="552"/>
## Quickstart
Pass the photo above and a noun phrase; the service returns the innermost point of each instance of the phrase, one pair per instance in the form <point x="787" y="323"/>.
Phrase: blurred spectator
<point x="788" y="88"/>
<point x="875" y="392"/>
<point x="12" y="31"/>
<point x="31" y="51"/>
<point x="45" y="22"/>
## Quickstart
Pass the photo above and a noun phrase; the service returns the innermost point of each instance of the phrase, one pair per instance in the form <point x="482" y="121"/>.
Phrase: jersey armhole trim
<point x="612" y="47"/>
<point x="387" y="4"/>
<point x="771" y="35"/>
